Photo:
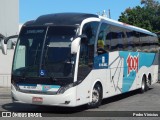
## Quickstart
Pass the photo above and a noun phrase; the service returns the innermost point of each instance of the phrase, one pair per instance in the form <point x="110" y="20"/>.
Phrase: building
<point x="9" y="25"/>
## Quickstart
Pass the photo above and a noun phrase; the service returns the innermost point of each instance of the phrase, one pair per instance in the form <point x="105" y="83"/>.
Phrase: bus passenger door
<point x="86" y="55"/>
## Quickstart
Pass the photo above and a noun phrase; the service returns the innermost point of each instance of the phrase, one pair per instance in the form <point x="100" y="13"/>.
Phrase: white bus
<point x="71" y="59"/>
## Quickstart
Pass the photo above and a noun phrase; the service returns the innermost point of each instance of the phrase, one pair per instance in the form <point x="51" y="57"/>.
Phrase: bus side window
<point x="90" y="30"/>
<point x="125" y="41"/>
<point x="102" y="43"/>
<point x="144" y="40"/>
<point x="117" y="38"/>
<point x="83" y="52"/>
<point x="153" y="44"/>
<point x="108" y="40"/>
<point x="121" y="40"/>
<point x="130" y="37"/>
<point x="156" y="44"/>
<point x="137" y="44"/>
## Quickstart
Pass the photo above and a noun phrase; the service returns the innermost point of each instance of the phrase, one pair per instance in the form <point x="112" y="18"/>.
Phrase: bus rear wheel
<point x="144" y="85"/>
<point x="96" y="97"/>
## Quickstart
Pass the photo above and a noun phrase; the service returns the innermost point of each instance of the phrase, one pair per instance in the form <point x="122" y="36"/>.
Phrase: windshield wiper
<point x="46" y="56"/>
<point x="24" y="71"/>
<point x="53" y="79"/>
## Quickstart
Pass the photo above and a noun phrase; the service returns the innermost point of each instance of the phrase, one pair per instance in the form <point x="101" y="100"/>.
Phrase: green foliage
<point x="147" y="16"/>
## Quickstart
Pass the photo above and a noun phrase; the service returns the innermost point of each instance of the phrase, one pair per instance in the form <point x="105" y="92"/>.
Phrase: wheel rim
<point x="148" y="82"/>
<point x="95" y="95"/>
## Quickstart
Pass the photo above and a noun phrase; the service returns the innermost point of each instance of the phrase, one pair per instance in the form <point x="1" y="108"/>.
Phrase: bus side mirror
<point x="76" y="42"/>
<point x="4" y="43"/>
<point x="75" y="45"/>
<point x="4" y="47"/>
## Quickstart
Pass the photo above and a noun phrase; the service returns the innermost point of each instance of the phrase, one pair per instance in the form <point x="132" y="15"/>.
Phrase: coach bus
<point x="72" y="59"/>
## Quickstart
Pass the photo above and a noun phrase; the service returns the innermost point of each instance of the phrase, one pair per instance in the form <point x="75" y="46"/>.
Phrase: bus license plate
<point x="37" y="100"/>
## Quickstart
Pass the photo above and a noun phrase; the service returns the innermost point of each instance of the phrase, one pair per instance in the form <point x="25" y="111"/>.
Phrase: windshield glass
<point x="58" y="60"/>
<point x="45" y="51"/>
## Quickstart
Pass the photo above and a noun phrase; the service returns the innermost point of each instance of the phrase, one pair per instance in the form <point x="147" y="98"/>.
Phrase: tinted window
<point x="103" y="44"/>
<point x="87" y="50"/>
<point x="130" y="38"/>
<point x="144" y="40"/>
<point x="117" y="37"/>
<point x="137" y="45"/>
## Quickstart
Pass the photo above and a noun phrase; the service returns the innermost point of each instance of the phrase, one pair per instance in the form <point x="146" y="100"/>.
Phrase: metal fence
<point x="5" y="80"/>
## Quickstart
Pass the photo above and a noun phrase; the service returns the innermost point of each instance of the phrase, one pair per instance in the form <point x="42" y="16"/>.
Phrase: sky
<point x="31" y="9"/>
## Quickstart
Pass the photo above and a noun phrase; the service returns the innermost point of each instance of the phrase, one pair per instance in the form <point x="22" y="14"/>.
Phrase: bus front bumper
<point x="68" y="98"/>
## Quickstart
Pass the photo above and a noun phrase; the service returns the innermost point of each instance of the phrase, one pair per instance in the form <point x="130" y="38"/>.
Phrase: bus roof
<point x="76" y="19"/>
<point x="61" y="19"/>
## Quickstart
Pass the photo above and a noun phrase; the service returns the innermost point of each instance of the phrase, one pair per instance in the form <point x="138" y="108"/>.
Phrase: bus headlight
<point x="63" y="89"/>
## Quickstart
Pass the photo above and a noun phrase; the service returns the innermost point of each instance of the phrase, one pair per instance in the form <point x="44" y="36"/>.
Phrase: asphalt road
<point x="119" y="105"/>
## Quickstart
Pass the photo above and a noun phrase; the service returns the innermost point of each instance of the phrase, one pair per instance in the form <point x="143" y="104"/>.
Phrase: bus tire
<point x="149" y="81"/>
<point x="96" y="97"/>
<point x="144" y="86"/>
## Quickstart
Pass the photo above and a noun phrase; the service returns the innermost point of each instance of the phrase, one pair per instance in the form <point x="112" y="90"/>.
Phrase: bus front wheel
<point x="96" y="97"/>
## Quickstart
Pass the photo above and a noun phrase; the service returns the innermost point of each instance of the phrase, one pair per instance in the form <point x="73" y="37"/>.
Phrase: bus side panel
<point x="155" y="69"/>
<point x="116" y="74"/>
<point x="152" y="70"/>
<point x="150" y="62"/>
<point x="130" y="69"/>
<point x="136" y="64"/>
<point x="84" y="89"/>
<point x="155" y="74"/>
<point x="124" y="73"/>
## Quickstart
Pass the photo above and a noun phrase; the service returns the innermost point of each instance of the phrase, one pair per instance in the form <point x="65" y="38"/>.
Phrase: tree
<point x="147" y="16"/>
<point x="150" y="3"/>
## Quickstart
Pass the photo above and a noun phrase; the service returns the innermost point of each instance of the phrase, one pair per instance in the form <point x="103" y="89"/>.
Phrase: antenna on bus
<point x="109" y="12"/>
<point x="104" y="13"/>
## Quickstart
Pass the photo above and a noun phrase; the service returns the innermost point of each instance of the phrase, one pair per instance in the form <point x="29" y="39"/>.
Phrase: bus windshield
<point x="45" y="52"/>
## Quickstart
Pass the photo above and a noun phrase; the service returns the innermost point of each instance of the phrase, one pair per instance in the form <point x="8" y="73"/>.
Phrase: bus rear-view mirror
<point x="75" y="45"/>
<point x="4" y="47"/>
<point x="4" y="41"/>
<point x="76" y="42"/>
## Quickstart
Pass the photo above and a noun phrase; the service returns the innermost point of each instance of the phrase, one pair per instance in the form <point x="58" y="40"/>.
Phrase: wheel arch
<point x="94" y="83"/>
